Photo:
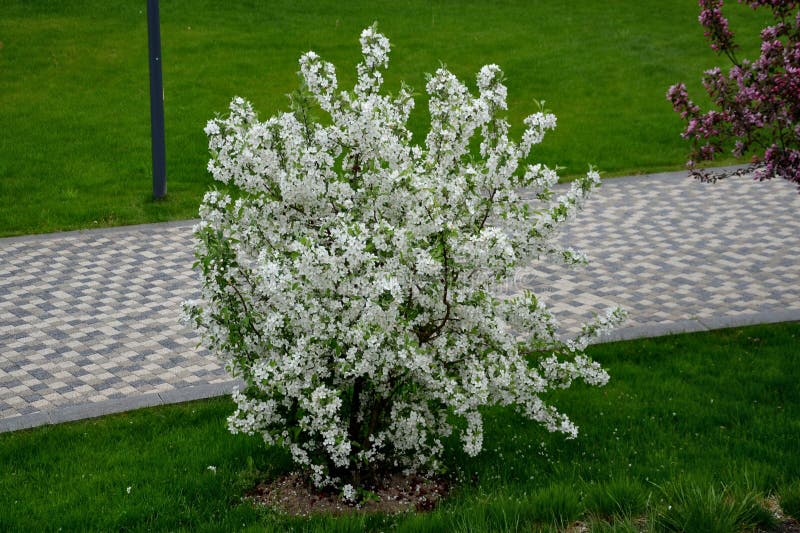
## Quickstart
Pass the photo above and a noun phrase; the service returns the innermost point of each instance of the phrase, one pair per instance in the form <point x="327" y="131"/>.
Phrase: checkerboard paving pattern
<point x="93" y="316"/>
<point x="670" y="249"/>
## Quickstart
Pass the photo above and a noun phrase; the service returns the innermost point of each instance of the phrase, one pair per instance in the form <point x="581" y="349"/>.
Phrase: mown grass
<point x="707" y="423"/>
<point x="75" y="149"/>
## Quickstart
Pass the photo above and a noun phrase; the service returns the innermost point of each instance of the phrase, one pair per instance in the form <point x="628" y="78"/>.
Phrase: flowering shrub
<point x="353" y="283"/>
<point x="758" y="102"/>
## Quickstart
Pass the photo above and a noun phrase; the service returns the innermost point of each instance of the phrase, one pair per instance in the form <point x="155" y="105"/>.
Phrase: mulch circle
<point x="292" y="495"/>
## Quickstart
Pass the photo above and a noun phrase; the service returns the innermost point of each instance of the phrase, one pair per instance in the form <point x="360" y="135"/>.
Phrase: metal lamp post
<point x="156" y="101"/>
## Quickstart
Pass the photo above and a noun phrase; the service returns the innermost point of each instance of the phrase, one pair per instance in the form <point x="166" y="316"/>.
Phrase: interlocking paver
<point x="676" y="249"/>
<point x="89" y="321"/>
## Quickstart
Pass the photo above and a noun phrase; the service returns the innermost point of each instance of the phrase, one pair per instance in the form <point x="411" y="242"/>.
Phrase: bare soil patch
<point x="394" y="494"/>
<point x="789" y="525"/>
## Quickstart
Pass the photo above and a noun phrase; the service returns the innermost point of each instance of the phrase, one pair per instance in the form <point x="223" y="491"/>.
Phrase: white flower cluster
<point x="353" y="279"/>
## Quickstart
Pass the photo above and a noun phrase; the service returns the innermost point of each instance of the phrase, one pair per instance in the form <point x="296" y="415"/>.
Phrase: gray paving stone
<point x="107" y="406"/>
<point x="198" y="392"/>
<point x="766" y="317"/>
<point x="26" y="421"/>
<point x="89" y="320"/>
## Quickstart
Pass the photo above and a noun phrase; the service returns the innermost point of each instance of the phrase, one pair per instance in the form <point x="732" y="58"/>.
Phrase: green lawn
<point x="75" y="148"/>
<point x="682" y="413"/>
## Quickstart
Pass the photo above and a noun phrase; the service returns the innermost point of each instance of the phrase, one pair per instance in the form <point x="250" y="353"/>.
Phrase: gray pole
<point x="156" y="101"/>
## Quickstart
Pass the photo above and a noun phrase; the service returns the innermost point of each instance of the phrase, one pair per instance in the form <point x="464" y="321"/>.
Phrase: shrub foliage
<point x="354" y="279"/>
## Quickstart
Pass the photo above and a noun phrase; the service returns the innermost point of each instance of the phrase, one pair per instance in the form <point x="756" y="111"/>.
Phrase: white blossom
<point x="348" y="493"/>
<point x="354" y="280"/>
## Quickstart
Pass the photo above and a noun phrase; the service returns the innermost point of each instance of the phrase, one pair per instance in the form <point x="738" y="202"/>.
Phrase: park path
<point x="89" y="320"/>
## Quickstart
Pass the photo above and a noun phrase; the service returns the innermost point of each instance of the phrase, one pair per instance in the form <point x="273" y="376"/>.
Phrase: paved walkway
<point x="89" y="321"/>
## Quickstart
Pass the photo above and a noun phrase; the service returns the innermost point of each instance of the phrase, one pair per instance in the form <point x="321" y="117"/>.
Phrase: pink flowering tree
<point x="757" y="104"/>
<point x="354" y="279"/>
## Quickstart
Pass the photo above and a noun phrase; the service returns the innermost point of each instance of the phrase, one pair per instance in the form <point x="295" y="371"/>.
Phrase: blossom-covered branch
<point x="757" y="103"/>
<point x="353" y="278"/>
